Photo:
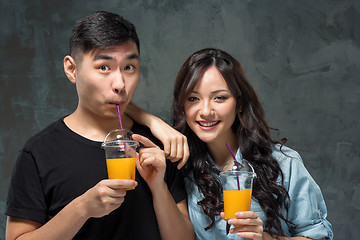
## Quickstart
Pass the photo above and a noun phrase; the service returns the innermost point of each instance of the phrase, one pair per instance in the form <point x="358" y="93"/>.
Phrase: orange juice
<point x="236" y="201"/>
<point x="121" y="168"/>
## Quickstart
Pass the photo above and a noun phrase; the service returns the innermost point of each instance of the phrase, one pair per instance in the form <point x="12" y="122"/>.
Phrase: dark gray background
<point x="302" y="56"/>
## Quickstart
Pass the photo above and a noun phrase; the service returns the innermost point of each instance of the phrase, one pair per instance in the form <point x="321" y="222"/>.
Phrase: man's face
<point x="106" y="78"/>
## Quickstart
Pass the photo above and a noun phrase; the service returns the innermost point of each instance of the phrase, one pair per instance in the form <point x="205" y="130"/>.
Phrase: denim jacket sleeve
<point x="307" y="209"/>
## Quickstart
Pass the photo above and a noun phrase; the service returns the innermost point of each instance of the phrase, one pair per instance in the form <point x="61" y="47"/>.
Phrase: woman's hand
<point x="175" y="144"/>
<point x="247" y="225"/>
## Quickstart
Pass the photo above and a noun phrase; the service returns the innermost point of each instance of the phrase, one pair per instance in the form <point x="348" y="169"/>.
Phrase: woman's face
<point x="210" y="108"/>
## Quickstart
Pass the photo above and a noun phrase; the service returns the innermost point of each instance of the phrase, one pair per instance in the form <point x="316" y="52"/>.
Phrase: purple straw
<point x="121" y="127"/>
<point x="232" y="154"/>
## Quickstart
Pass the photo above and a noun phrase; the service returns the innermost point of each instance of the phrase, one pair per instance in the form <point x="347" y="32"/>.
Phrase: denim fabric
<point x="307" y="210"/>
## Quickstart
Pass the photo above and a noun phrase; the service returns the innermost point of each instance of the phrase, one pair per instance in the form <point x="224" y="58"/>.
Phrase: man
<point x="59" y="188"/>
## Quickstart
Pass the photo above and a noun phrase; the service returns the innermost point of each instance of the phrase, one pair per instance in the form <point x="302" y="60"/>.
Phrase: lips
<point x="207" y="124"/>
<point x="116" y="103"/>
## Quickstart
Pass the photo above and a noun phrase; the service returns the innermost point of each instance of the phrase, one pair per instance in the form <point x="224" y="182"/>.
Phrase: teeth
<point x="208" y="124"/>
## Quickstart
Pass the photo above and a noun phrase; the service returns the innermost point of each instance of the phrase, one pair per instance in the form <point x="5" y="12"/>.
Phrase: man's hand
<point x="150" y="162"/>
<point x="105" y="197"/>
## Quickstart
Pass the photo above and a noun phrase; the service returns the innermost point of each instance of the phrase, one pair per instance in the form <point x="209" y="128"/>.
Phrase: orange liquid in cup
<point x="121" y="168"/>
<point x="236" y="201"/>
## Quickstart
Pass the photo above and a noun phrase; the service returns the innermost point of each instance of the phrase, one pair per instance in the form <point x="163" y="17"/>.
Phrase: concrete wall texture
<point x="301" y="56"/>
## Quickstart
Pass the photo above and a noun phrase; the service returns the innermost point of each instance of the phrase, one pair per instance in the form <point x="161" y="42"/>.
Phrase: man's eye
<point x="129" y="68"/>
<point x="104" y="68"/>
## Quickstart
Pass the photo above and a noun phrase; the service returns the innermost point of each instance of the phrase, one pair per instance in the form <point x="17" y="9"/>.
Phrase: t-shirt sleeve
<point x="25" y="197"/>
<point x="307" y="207"/>
<point x="175" y="182"/>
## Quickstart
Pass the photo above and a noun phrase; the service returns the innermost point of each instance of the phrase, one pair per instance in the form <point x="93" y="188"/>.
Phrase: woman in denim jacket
<point x="215" y="104"/>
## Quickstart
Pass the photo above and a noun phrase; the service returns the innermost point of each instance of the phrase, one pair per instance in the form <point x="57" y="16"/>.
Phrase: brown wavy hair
<point x="253" y="135"/>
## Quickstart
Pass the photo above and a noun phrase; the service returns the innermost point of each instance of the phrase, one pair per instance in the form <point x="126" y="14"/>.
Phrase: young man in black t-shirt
<point x="59" y="188"/>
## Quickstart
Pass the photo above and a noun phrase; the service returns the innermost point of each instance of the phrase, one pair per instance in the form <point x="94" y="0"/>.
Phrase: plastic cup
<point x="120" y="155"/>
<point x="237" y="189"/>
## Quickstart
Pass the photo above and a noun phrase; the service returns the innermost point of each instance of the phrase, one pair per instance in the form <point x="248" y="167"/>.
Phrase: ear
<point x="70" y="68"/>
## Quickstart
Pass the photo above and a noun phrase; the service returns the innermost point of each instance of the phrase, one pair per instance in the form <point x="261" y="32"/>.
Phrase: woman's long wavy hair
<point x="251" y="129"/>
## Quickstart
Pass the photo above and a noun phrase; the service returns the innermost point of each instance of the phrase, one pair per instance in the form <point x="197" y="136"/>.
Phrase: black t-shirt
<point x="57" y="165"/>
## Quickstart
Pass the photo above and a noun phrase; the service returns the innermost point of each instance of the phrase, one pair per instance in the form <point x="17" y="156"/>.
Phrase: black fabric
<point x="57" y="165"/>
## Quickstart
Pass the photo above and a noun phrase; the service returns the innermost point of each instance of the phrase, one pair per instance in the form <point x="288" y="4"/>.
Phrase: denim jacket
<point x="307" y="209"/>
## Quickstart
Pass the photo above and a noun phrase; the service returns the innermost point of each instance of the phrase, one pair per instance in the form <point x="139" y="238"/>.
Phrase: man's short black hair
<point x="99" y="30"/>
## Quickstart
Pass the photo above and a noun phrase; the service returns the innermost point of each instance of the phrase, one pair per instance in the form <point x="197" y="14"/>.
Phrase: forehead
<point x="127" y="50"/>
<point x="211" y="80"/>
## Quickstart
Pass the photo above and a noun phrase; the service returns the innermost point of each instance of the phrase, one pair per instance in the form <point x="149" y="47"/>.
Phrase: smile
<point x="208" y="124"/>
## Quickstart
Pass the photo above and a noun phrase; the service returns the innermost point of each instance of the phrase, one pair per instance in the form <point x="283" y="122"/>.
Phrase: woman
<point x="214" y="104"/>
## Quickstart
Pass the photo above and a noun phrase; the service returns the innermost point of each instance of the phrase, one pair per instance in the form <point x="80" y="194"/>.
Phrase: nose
<point x="205" y="109"/>
<point x="118" y="84"/>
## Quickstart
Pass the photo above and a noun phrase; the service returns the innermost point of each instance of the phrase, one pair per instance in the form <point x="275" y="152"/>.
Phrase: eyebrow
<point x="107" y="57"/>
<point x="215" y="92"/>
<point x="132" y="56"/>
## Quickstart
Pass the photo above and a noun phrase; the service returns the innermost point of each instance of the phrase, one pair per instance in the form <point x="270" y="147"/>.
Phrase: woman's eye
<point x="221" y="98"/>
<point x="192" y="99"/>
<point x="104" y="68"/>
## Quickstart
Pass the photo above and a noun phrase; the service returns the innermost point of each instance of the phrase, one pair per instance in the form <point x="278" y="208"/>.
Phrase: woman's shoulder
<point x="292" y="167"/>
<point x="286" y="155"/>
<point x="290" y="162"/>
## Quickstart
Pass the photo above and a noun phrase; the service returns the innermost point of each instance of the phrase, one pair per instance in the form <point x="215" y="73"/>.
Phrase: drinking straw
<point x="235" y="162"/>
<point x="237" y="179"/>
<point x="121" y="127"/>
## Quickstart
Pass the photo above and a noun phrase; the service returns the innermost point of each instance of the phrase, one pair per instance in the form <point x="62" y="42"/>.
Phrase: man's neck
<point x="93" y="127"/>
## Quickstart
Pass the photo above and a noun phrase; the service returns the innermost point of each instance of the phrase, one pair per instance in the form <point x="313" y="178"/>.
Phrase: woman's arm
<point x="175" y="144"/>
<point x="268" y="237"/>
<point x="249" y="226"/>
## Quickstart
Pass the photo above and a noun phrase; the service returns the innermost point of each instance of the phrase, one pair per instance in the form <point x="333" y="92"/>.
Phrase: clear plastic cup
<point x="120" y="155"/>
<point x="237" y="189"/>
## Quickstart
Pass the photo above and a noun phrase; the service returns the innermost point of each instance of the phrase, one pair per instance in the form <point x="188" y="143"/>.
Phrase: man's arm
<point x="173" y="219"/>
<point x="98" y="201"/>
<point x="175" y="144"/>
<point x="63" y="226"/>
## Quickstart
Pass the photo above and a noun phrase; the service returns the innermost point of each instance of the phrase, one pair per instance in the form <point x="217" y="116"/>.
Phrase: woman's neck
<point x="220" y="153"/>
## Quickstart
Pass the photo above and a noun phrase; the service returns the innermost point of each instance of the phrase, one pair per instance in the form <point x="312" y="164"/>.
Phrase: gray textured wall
<point x="302" y="56"/>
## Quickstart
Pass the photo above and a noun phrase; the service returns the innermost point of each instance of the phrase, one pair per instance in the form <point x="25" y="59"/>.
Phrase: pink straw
<point x="121" y="127"/>
<point x="232" y="154"/>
